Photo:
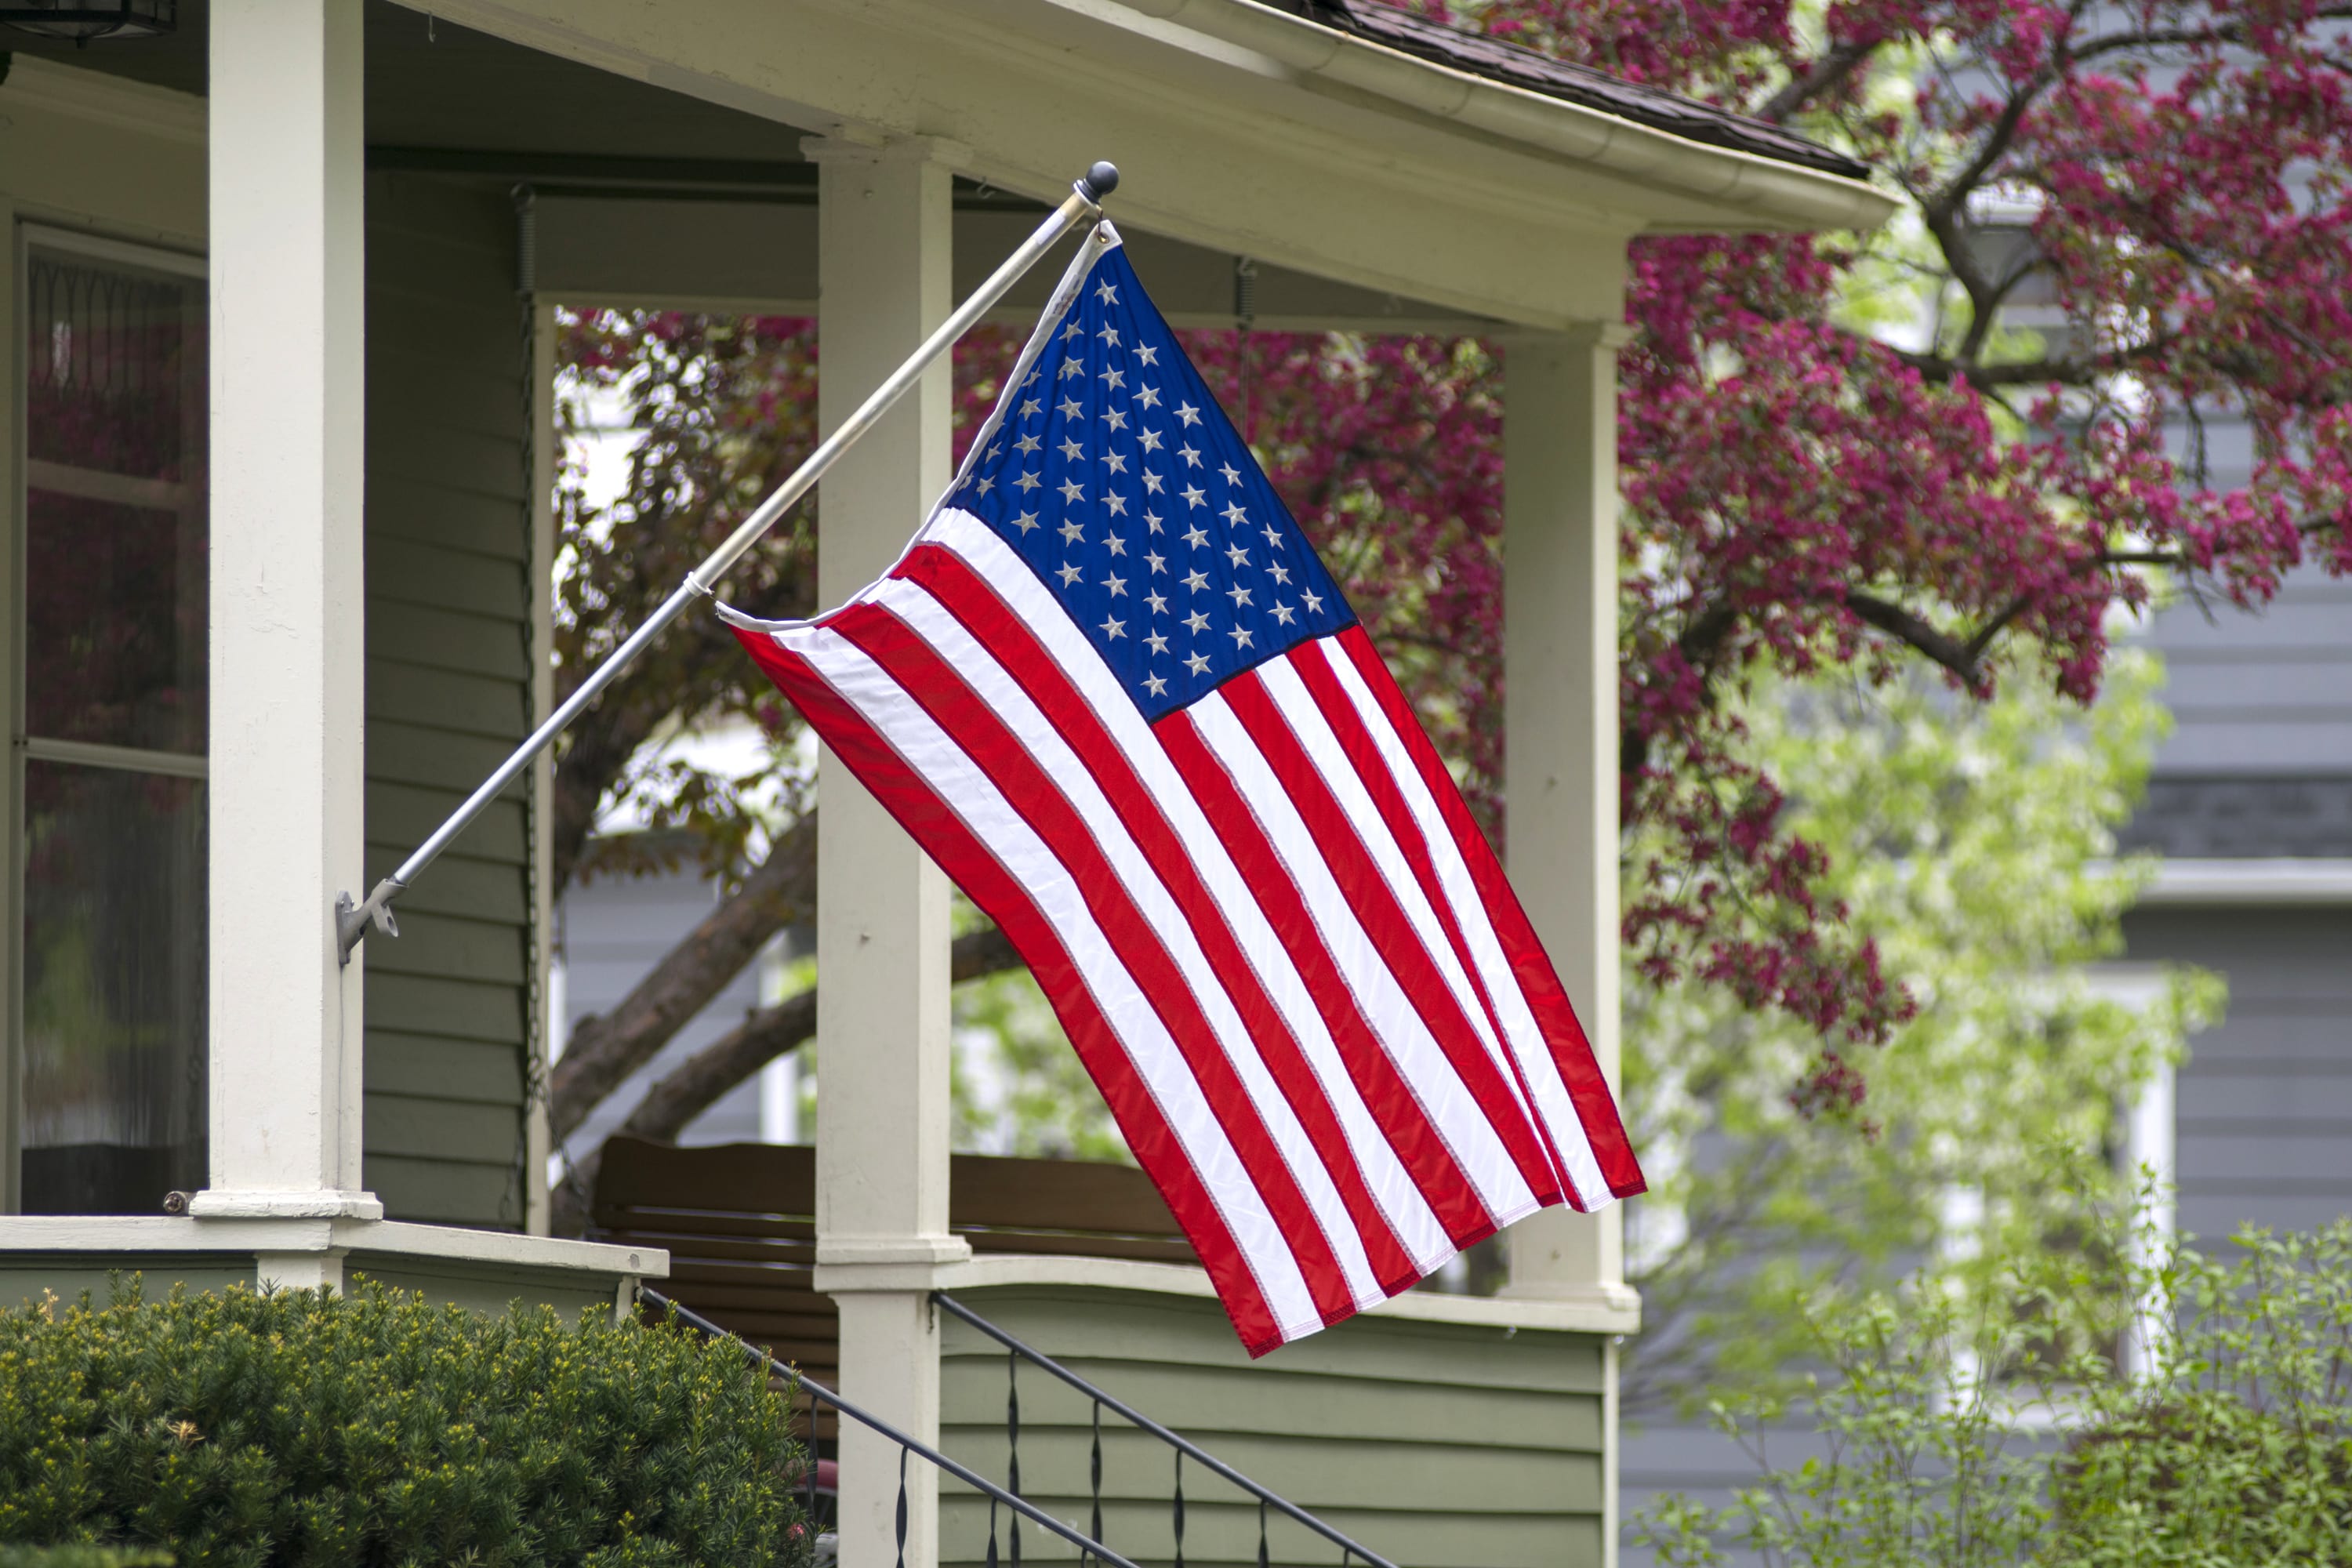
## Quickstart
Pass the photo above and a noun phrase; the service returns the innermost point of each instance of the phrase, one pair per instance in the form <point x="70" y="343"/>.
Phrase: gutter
<point x="1780" y="196"/>
<point x="2281" y="882"/>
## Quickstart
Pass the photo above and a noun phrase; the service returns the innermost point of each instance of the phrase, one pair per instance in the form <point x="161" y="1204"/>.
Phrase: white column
<point x="287" y="243"/>
<point x="883" y="236"/>
<point x="1560" y="762"/>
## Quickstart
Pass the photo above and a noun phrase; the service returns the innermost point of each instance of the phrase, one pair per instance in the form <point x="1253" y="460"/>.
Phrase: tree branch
<point x="603" y="1051"/>
<point x="1834" y="64"/>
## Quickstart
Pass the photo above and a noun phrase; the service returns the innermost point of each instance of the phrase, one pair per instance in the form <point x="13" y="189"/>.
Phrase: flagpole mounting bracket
<point x="353" y="920"/>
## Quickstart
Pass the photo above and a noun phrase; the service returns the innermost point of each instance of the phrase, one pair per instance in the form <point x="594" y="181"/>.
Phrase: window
<point x="109" y="726"/>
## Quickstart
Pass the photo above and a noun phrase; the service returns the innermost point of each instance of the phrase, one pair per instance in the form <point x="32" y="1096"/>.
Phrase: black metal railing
<point x="1090" y="1547"/>
<point x="1350" y="1551"/>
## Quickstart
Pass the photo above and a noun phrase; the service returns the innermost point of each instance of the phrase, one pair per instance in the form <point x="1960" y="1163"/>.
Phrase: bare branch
<point x="1833" y="68"/>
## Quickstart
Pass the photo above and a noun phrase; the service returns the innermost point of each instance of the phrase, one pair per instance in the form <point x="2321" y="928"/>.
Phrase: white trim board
<point x="2316" y="882"/>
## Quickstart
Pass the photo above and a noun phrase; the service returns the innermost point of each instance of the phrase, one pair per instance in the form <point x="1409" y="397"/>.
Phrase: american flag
<point x="1112" y="691"/>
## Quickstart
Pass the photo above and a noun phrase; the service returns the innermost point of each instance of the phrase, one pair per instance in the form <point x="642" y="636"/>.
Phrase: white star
<point x="1113" y="627"/>
<point x="1068" y="409"/>
<point x="1117" y="584"/>
<point x="1148" y="396"/>
<point x="1152" y="483"/>
<point x="1072" y="490"/>
<point x="984" y="484"/>
<point x="1146" y="354"/>
<point x="1197" y="664"/>
<point x="1159" y="605"/>
<point x="1240" y="596"/>
<point x="1070" y="367"/>
<point x="1114" y="418"/>
<point x="1195" y="496"/>
<point x="1150" y="439"/>
<point x="1026" y="522"/>
<point x="1068" y="575"/>
<point x="1117" y="505"/>
<point x="1241" y="636"/>
<point x="1117" y="545"/>
<point x="1234" y="515"/>
<point x="1283" y="613"/>
<point x="1281" y="573"/>
<point x="1196" y="622"/>
<point x="1151" y="559"/>
<point x="1073" y="533"/>
<point x="1195" y="537"/>
<point x="1109" y="335"/>
<point x="1188" y="413"/>
<point x="1026" y="482"/>
<point x="1115" y="461"/>
<point x="1158" y="643"/>
<point x="1151" y="520"/>
<point x="1072" y="330"/>
<point x="1156" y="685"/>
<point x="1108" y="294"/>
<point x="1070" y="448"/>
<point x="1236" y="554"/>
<point x="1195" y="581"/>
<point x="1027" y="444"/>
<point x="1314" y="602"/>
<point x="1031" y="406"/>
<point x="995" y="451"/>
<point x="1190" y="455"/>
<point x="1114" y="379"/>
<point x="1232" y="475"/>
<point x="1273" y="536"/>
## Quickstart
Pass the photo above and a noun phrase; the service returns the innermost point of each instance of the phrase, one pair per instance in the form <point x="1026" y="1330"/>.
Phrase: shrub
<point x="1975" y="1428"/>
<point x="372" y="1428"/>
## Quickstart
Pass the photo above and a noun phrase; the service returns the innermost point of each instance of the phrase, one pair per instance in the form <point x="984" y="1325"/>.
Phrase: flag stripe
<point x="1184" y="996"/>
<point x="966" y="619"/>
<point x="1530" y="965"/>
<point x="1240" y="727"/>
<point x="1411" y="820"/>
<point x="998" y="859"/>
<point x="1451" y="1148"/>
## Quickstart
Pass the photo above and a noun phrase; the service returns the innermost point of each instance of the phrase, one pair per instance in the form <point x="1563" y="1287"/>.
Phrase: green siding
<point x="448" y="693"/>
<point x="1433" y="1444"/>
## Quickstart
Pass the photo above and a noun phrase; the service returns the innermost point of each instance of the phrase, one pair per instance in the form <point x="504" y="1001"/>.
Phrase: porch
<point x="361" y="218"/>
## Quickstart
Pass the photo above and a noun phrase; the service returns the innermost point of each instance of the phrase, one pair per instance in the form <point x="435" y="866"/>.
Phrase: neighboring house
<point x="278" y="322"/>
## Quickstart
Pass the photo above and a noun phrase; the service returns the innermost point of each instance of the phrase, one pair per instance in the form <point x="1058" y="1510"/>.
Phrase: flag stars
<point x="1148" y="396"/>
<point x="1234" y="515"/>
<point x="1155" y="685"/>
<point x="1188" y="413"/>
<point x="1240" y="596"/>
<point x="1195" y="537"/>
<point x="1070" y="448"/>
<point x="1030" y="406"/>
<point x="1241" y="636"/>
<point x="1153" y="560"/>
<point x="1114" y="379"/>
<point x="1281" y="573"/>
<point x="1195" y="581"/>
<point x="1026" y="444"/>
<point x="1115" y="461"/>
<point x="1117" y="545"/>
<point x="983" y="484"/>
<point x="1028" y="482"/>
<point x="1070" y="367"/>
<point x="1152" y="483"/>
<point x="1069" y="409"/>
<point x="1073" y="532"/>
<point x="1117" y="584"/>
<point x="1113" y="627"/>
<point x="1156" y="641"/>
<point x="1073" y="330"/>
<point x="1026" y="522"/>
<point x="1117" y="505"/>
<point x="1114" y="418"/>
<point x="1072" y="490"/>
<point x="1070" y="575"/>
<point x="1196" y="622"/>
<point x="1107" y="293"/>
<point x="1231" y="474"/>
<point x="1158" y="603"/>
<point x="1236" y="554"/>
<point x="1283" y="613"/>
<point x="1148" y="354"/>
<point x="1150" y="438"/>
<point x="1273" y="536"/>
<point x="1195" y="496"/>
<point x="1314" y="602"/>
<point x="1197" y="664"/>
<point x="1191" y="454"/>
<point x="1151" y="520"/>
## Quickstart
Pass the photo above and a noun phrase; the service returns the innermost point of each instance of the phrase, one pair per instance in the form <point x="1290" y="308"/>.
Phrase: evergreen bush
<point x="257" y="1428"/>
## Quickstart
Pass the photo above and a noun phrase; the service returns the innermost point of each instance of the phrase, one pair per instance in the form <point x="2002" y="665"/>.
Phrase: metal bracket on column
<point x="351" y="920"/>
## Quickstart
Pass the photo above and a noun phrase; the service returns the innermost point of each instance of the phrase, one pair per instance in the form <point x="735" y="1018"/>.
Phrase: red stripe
<point x="1383" y="919"/>
<point x="1413" y="1133"/>
<point x="1538" y="981"/>
<point x="1372" y="770"/>
<point x="968" y="598"/>
<point x="974" y="727"/>
<point x="960" y="853"/>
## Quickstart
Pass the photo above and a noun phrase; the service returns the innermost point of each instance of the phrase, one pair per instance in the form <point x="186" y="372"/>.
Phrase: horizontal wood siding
<point x="1432" y="1444"/>
<point x="448" y="693"/>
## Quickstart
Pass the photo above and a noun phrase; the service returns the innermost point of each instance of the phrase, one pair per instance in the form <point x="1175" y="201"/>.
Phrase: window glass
<point x="110" y="1028"/>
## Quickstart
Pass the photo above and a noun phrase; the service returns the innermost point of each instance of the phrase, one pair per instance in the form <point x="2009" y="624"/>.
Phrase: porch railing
<point x="1352" y="1551"/>
<point x="818" y="1393"/>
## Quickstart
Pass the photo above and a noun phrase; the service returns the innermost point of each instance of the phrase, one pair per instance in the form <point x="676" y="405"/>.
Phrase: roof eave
<point x="1749" y="192"/>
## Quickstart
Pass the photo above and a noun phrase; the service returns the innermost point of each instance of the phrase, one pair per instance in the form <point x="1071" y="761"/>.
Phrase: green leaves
<point x="296" y="1428"/>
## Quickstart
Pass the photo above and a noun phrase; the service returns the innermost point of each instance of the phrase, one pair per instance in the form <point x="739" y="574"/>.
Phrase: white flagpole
<point x="1083" y="205"/>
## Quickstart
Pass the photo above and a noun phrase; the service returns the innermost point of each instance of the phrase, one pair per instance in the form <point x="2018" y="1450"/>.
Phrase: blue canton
<point x="1122" y="484"/>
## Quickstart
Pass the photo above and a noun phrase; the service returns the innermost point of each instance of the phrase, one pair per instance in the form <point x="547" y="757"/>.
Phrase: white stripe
<point x="975" y="664"/>
<point x="1313" y="733"/>
<point x="1518" y="1020"/>
<point x="1477" y="1146"/>
<point x="964" y="789"/>
<point x="1445" y="1101"/>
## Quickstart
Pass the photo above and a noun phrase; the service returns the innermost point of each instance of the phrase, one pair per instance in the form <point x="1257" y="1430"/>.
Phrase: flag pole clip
<point x="1082" y="205"/>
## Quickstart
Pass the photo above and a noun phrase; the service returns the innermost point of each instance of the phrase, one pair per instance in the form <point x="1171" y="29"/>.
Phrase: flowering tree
<point x="1840" y="457"/>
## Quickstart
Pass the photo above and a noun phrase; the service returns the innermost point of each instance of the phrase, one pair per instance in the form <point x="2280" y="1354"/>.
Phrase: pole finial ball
<point x="1101" y="180"/>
